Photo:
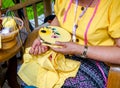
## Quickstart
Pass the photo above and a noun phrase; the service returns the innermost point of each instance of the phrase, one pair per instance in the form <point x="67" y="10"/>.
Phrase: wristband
<point x="84" y="54"/>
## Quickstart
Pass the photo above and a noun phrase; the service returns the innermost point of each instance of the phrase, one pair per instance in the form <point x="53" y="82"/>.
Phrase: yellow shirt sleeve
<point x="57" y="6"/>
<point x="114" y="19"/>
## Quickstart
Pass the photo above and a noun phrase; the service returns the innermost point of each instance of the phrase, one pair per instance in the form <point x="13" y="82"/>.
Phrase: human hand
<point x="67" y="48"/>
<point x="37" y="47"/>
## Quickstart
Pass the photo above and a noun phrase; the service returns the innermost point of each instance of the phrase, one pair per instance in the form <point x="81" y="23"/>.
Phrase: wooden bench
<point x="114" y="76"/>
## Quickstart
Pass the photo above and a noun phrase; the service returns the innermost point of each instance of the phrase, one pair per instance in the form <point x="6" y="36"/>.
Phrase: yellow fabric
<point x="48" y="70"/>
<point x="9" y="22"/>
<point x="104" y="27"/>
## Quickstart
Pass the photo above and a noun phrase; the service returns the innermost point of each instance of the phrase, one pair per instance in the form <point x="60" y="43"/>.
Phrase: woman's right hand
<point x="37" y="47"/>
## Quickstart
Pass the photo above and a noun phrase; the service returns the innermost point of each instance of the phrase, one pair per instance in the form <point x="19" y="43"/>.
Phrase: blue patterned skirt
<point x="88" y="76"/>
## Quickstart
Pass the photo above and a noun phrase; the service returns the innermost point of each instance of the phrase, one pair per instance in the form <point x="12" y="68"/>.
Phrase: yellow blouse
<point x="104" y="27"/>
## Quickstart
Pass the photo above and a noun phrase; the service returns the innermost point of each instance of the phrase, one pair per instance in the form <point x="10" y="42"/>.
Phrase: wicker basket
<point x="9" y="40"/>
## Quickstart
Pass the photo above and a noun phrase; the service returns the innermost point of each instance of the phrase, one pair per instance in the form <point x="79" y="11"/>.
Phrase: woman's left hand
<point x="67" y="48"/>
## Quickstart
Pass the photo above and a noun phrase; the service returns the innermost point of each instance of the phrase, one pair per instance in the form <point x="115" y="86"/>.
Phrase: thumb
<point x="60" y="43"/>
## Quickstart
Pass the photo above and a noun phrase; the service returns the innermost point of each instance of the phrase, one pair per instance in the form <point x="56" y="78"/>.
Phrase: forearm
<point x="104" y="53"/>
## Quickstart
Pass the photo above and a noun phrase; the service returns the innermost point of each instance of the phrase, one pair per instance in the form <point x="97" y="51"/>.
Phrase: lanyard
<point x="80" y="16"/>
<point x="65" y="14"/>
<point x="89" y="23"/>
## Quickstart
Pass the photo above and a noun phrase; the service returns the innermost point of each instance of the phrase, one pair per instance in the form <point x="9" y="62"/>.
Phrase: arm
<point x="54" y="22"/>
<point x="109" y="54"/>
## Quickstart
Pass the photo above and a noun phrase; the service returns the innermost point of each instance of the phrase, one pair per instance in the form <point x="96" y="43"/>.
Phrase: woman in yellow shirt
<point x="95" y="29"/>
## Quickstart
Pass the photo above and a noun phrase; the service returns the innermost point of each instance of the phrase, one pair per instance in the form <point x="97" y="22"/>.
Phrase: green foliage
<point x="40" y="9"/>
<point x="7" y="3"/>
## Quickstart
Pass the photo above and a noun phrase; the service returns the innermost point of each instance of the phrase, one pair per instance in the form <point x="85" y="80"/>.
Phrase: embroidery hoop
<point x="50" y="34"/>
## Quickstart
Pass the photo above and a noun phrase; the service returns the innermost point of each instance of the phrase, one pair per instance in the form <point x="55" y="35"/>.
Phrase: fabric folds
<point x="48" y="70"/>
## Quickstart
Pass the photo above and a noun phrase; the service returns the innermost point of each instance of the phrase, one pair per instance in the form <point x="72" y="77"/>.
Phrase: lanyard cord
<point x="89" y="23"/>
<point x="75" y="25"/>
<point x="65" y="15"/>
<point x="103" y="74"/>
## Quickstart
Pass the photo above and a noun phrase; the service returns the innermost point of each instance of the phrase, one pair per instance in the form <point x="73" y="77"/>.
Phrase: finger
<point x="31" y="50"/>
<point x="36" y="43"/>
<point x="63" y="44"/>
<point x="57" y="49"/>
<point x="39" y="52"/>
<point x="44" y="49"/>
<point x="36" y="51"/>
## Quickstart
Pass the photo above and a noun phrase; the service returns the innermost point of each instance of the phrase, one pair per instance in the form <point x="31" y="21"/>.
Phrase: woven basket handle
<point x="18" y="19"/>
<point x="21" y="26"/>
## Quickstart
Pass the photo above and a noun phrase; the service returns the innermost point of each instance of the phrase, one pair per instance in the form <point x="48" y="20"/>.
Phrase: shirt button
<point x="77" y="40"/>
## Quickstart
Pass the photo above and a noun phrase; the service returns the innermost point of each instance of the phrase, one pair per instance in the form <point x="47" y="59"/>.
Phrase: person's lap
<point x="88" y="75"/>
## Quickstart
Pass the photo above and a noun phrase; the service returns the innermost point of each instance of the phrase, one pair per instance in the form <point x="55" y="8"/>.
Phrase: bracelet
<point x="84" y="54"/>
